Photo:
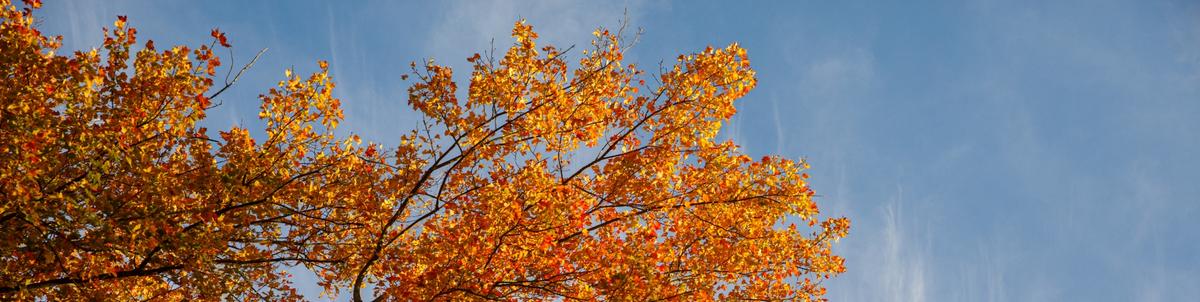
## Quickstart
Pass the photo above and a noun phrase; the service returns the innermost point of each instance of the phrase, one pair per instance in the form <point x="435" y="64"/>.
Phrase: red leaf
<point x="220" y="36"/>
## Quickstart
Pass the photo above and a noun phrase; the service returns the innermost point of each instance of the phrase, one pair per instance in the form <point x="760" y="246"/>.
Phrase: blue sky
<point x="985" y="150"/>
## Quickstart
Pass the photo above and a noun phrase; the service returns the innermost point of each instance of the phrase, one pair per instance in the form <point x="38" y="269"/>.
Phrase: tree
<point x="548" y="181"/>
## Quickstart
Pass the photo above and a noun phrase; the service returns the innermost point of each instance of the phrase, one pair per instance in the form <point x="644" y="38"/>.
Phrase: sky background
<point x="984" y="150"/>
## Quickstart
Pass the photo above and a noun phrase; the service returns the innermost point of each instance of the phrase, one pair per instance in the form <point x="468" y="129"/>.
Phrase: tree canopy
<point x="546" y="179"/>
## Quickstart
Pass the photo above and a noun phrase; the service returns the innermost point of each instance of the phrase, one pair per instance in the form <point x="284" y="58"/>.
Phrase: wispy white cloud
<point x="468" y="27"/>
<point x="780" y="138"/>
<point x="903" y="272"/>
<point x="893" y="261"/>
<point x="839" y="74"/>
<point x="823" y="102"/>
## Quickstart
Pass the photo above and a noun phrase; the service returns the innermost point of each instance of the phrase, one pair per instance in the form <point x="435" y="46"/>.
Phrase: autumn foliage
<point x="545" y="179"/>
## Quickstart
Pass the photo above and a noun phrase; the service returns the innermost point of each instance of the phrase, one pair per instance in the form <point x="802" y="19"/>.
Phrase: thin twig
<point x="229" y="83"/>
